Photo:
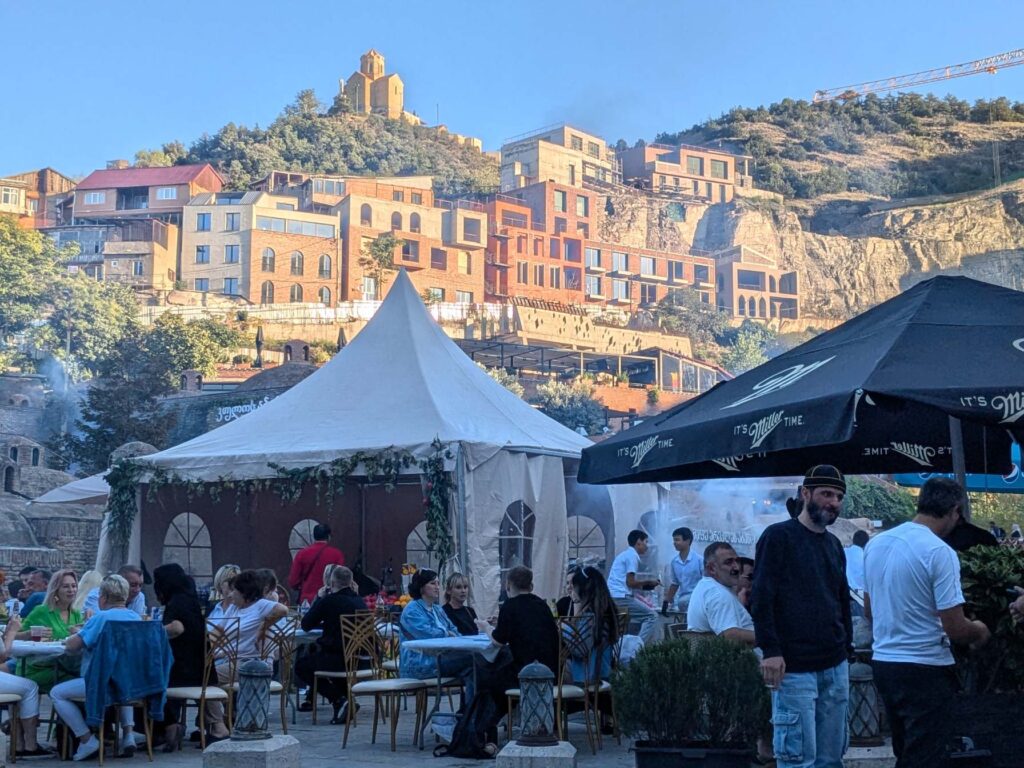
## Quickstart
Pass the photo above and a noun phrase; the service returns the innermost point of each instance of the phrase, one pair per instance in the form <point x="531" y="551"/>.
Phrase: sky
<point x="81" y="88"/>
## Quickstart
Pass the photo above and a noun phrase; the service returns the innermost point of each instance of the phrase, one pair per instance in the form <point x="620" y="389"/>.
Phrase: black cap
<point x="824" y="476"/>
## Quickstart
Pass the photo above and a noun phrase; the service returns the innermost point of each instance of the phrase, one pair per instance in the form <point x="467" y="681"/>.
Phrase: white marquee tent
<point x="402" y="382"/>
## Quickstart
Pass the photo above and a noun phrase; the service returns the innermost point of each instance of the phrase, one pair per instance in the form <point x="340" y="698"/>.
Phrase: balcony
<point x="497" y="260"/>
<point x="596" y="268"/>
<point x="651" y="278"/>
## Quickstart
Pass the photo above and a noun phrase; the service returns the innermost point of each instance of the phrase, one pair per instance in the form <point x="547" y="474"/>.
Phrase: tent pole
<point x="956" y="442"/>
<point x="460" y="509"/>
<point x="362" y="525"/>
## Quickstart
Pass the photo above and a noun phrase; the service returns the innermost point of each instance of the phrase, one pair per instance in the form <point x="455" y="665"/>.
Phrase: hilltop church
<point x="371" y="91"/>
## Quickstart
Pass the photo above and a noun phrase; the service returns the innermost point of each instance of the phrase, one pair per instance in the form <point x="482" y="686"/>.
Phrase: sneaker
<point x="87" y="749"/>
<point x="126" y="745"/>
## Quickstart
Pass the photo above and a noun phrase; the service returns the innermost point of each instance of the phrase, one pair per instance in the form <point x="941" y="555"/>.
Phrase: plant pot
<point x="647" y="756"/>
<point x="992" y="722"/>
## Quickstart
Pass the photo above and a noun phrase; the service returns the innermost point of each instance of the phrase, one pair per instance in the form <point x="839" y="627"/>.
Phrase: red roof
<point x="113" y="178"/>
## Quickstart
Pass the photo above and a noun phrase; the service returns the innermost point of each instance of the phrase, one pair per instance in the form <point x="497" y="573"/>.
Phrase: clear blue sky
<point x="84" y="86"/>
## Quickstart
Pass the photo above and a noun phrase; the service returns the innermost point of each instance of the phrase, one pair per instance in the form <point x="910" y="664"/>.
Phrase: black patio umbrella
<point x="874" y="395"/>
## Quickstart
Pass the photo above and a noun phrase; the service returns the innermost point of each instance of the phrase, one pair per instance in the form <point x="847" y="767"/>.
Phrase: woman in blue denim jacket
<point x="598" y="628"/>
<point x="422" y="619"/>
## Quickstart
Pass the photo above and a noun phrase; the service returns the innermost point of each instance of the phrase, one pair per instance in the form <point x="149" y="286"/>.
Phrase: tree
<point x="571" y="404"/>
<point x="683" y="312"/>
<point x="342" y="105"/>
<point x="746" y="347"/>
<point x="175" y="346"/>
<point x="377" y="259"/>
<point x="508" y="380"/>
<point x="876" y="500"/>
<point x="29" y="265"/>
<point x="169" y="154"/>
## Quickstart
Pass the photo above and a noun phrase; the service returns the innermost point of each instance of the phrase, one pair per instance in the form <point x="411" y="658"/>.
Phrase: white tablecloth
<point x="435" y="646"/>
<point x="27" y="648"/>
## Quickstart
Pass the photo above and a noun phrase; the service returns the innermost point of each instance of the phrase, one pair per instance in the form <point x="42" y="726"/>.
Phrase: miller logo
<point x="922" y="454"/>
<point x="1012" y="406"/>
<point x="730" y="463"/>
<point x="780" y="380"/>
<point x="1018" y="344"/>
<point x="641" y="449"/>
<point x="763" y="427"/>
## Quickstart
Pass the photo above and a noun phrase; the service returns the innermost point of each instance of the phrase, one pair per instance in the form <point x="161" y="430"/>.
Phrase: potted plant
<point x="992" y="678"/>
<point x="692" y="703"/>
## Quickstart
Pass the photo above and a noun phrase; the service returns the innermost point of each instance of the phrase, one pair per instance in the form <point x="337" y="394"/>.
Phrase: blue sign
<point x="1011" y="483"/>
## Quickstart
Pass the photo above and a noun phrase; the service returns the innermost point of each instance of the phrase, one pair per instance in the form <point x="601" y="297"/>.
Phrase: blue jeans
<point x="809" y="712"/>
<point x="642" y="613"/>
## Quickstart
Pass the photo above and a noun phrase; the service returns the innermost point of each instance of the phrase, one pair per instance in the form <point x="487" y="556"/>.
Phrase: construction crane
<point x="991" y="65"/>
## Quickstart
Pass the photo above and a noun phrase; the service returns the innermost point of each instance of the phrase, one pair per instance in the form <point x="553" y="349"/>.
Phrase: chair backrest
<point x="676" y="630"/>
<point x="692" y="636"/>
<point x="222" y="639"/>
<point x="362" y="643"/>
<point x="576" y="643"/>
<point x="277" y="643"/>
<point x="390" y="631"/>
<point x="622" y="621"/>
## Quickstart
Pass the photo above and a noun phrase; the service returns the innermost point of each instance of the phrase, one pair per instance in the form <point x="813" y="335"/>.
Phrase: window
<point x="202" y="254"/>
<point x="202" y="222"/>
<point x="746" y="278"/>
<point x="620" y="261"/>
<point x="369" y="288"/>
<point x="648" y="294"/>
<point x="417" y="549"/>
<point x="35" y="457"/>
<point x="292" y="227"/>
<point x="324" y="296"/>
<point x="554" y="249"/>
<point x="295" y="293"/>
<point x="232" y="221"/>
<point x="719" y="169"/>
<point x="416" y="198"/>
<point x="695" y="165"/>
<point x="414" y="223"/>
<point x="523" y="273"/>
<point x="561" y="201"/>
<point x="561" y="225"/>
<point x="676" y="271"/>
<point x="702" y="273"/>
<point x="538" y="244"/>
<point x="12" y="196"/>
<point x="137" y="269"/>
<point x="582" y="205"/>
<point x="411" y="250"/>
<point x="267" y="293"/>
<point x="464" y="297"/>
<point x="33" y="205"/>
<point x="396" y="221"/>
<point x="202" y="284"/>
<point x="576" y="143"/>
<point x="187" y="543"/>
<point x="515" y="540"/>
<point x="586" y="541"/>
<point x="398" y="196"/>
<point x="556" y="277"/>
<point x="593" y="285"/>
<point x="435" y="294"/>
<point x="741" y="306"/>
<point x="268" y="260"/>
<point x="301" y="535"/>
<point x="282" y="206"/>
<point x="438" y="258"/>
<point x="13" y="453"/>
<point x="471" y="230"/>
<point x="365" y="215"/>
<point x="538" y="275"/>
<point x="593" y="149"/>
<point x="592" y="257"/>
<point x="661" y="181"/>
<point x="647" y="265"/>
<point x="91" y="198"/>
<point x="324" y="269"/>
<point x="620" y="290"/>
<point x="231" y="254"/>
<point x="166" y="193"/>
<point x="297" y="263"/>
<point x="708" y="187"/>
<point x="231" y="286"/>
<point x="465" y="263"/>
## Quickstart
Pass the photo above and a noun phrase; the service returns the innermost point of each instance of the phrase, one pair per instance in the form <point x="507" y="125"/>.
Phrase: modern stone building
<point x="685" y="170"/>
<point x="751" y="285"/>
<point x="562" y="154"/>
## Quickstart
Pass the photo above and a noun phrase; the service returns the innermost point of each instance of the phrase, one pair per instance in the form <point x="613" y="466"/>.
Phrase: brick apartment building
<point x="36" y="197"/>
<point x="750" y="284"/>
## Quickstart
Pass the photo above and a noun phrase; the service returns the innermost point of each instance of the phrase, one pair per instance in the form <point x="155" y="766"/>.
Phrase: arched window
<point x="267" y="293"/>
<point x="187" y="543"/>
<point x="324" y="295"/>
<point x="268" y="259"/>
<point x="515" y="539"/>
<point x="297" y="260"/>
<point x="741" y="306"/>
<point x="295" y="294"/>
<point x="414" y="222"/>
<point x="771" y="283"/>
<point x="396" y="220"/>
<point x="9" y="479"/>
<point x="762" y="308"/>
<point x="301" y="535"/>
<point x="365" y="215"/>
<point x="35" y="457"/>
<point x="14" y="454"/>
<point x="774" y="309"/>
<point x="751" y="307"/>
<point x="416" y="550"/>
<point x="325" y="266"/>
<point x="586" y="541"/>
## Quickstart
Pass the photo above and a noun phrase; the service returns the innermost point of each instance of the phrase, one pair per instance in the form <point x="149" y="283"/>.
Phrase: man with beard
<point x="714" y="606"/>
<point x="801" y="608"/>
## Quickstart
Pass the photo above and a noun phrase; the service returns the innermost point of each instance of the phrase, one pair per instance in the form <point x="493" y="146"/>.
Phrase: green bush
<point x="876" y="501"/>
<point x="701" y="693"/>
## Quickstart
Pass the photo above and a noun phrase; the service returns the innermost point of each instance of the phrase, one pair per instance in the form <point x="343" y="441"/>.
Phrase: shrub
<point x="241" y="359"/>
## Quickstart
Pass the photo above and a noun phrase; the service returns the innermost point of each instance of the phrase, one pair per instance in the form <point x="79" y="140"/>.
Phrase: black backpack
<point x="474" y="729"/>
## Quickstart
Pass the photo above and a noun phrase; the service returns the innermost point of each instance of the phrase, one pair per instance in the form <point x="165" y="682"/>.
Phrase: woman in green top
<point x="56" y="614"/>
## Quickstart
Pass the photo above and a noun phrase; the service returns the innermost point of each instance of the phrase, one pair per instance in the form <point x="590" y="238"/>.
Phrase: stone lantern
<point x="251" y="720"/>
<point x="536" y="706"/>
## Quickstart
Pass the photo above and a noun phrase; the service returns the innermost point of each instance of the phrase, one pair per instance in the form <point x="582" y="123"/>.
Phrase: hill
<point x="308" y="137"/>
<point x="901" y="146"/>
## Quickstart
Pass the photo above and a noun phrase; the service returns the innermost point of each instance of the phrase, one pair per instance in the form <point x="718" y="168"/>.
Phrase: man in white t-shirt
<point x="714" y="606"/>
<point x="916" y="605"/>
<point x="622" y="583"/>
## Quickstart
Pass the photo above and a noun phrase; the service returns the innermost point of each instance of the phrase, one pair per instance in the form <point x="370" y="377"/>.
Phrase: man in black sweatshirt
<point x="800" y="604"/>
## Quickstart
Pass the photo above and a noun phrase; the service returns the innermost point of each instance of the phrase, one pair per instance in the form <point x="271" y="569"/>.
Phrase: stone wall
<point x="73" y="531"/>
<point x="580" y="332"/>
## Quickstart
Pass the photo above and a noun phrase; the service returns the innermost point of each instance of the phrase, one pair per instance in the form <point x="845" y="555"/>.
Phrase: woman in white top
<point x="221" y="594"/>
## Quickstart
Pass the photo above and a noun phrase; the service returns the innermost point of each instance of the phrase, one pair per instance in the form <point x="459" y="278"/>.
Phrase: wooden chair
<point x="222" y="638"/>
<point x="675" y="630"/>
<point x="13" y="703"/>
<point x="277" y="645"/>
<point x="323" y="674"/>
<point x="363" y="646"/>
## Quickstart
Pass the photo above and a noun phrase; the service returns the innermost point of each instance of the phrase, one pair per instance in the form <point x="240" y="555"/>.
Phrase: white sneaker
<point x="87" y="749"/>
<point x="126" y="745"/>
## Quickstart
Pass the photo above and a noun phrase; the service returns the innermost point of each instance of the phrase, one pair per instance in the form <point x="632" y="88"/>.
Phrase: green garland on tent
<point x="383" y="467"/>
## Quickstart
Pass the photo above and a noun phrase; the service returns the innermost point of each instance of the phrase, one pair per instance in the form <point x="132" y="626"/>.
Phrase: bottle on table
<point x="303" y="608"/>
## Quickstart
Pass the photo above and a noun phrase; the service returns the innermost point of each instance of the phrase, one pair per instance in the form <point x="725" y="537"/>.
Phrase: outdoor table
<point x="26" y="650"/>
<point x="437" y="647"/>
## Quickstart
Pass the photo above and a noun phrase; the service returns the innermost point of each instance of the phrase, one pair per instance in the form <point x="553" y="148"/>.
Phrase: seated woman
<point x="423" y="618"/>
<point x="186" y="629"/>
<point x="250" y="608"/>
<point x="456" y="594"/>
<point x="113" y="596"/>
<point x="598" y="628"/>
<point x="29" y="693"/>
<point x="220" y="599"/>
<point x="56" y="614"/>
<point x="324" y="614"/>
